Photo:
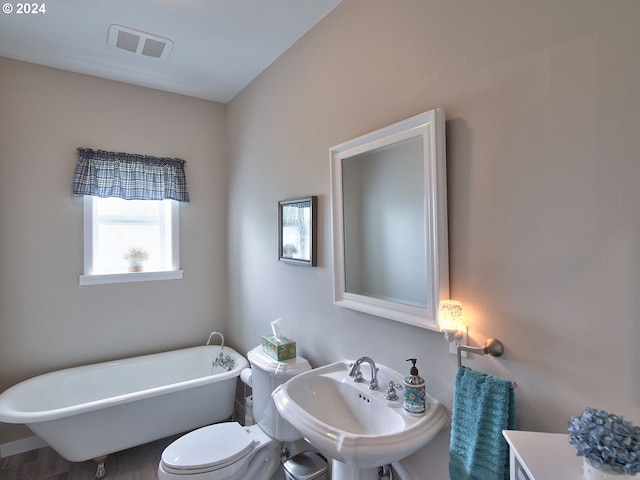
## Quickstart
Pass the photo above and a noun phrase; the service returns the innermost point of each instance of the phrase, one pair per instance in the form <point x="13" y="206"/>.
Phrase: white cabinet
<point x="542" y="456"/>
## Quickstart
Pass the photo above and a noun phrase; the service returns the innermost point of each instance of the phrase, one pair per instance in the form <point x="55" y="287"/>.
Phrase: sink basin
<point x="352" y="424"/>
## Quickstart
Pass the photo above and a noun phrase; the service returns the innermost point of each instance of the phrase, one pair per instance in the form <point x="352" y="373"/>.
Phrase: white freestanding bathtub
<point x="87" y="412"/>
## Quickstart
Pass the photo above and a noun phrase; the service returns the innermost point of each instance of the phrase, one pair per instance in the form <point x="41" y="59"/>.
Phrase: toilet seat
<point x="215" y="447"/>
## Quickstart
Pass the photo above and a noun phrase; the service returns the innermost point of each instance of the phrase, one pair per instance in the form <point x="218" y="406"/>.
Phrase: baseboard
<point x="21" y="446"/>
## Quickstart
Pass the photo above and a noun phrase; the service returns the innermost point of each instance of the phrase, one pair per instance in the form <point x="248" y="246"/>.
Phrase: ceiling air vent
<point x="138" y="42"/>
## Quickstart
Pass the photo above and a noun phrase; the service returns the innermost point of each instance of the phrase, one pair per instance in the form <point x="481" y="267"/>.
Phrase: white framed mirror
<point x="389" y="213"/>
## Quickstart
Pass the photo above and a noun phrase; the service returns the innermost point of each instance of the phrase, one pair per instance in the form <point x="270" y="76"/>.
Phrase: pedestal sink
<point x="354" y="426"/>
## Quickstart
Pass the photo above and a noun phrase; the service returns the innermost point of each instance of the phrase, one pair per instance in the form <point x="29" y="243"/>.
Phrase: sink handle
<point x="356" y="373"/>
<point x="391" y="394"/>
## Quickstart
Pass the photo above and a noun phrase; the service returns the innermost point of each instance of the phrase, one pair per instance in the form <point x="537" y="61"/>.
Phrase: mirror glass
<point x="390" y="221"/>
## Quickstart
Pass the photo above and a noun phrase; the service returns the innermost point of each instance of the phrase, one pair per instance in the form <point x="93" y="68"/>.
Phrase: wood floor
<point x="138" y="463"/>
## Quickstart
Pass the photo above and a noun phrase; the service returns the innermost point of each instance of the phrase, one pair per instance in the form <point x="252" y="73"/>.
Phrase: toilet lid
<point x="208" y="448"/>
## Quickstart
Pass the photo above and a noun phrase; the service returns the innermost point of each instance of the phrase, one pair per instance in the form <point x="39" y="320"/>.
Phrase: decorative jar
<point x="592" y="473"/>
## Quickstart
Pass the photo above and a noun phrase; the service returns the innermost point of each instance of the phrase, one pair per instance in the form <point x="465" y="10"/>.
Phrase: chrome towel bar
<point x="492" y="346"/>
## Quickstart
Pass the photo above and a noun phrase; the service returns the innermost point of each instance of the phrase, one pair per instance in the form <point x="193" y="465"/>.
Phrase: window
<point x="130" y="215"/>
<point x="118" y="232"/>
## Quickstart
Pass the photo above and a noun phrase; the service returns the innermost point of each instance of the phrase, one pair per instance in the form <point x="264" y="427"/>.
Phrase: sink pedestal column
<point x="340" y="471"/>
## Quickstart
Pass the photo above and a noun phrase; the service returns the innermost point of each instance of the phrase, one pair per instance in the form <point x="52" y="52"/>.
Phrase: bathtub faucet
<point x="221" y="339"/>
<point x="222" y="360"/>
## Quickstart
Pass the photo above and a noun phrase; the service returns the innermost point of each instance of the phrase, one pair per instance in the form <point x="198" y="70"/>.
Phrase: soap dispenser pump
<point x="414" y="391"/>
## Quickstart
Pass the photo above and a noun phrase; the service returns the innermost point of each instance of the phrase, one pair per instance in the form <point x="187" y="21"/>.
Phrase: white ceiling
<point x="220" y="46"/>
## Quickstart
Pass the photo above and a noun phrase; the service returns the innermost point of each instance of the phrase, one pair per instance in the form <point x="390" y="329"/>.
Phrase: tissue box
<point x="280" y="348"/>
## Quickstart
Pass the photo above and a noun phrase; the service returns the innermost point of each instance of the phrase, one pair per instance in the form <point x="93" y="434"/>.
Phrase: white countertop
<point x="545" y="456"/>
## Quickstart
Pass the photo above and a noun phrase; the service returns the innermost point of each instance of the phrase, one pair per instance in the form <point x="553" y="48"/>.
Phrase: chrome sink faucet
<point x="357" y="374"/>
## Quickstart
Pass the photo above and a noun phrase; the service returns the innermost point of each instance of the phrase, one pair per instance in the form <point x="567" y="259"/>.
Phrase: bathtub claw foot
<point x="101" y="472"/>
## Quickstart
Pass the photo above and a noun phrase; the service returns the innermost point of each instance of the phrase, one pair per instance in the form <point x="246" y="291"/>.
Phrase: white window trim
<point x="130" y="277"/>
<point x="89" y="278"/>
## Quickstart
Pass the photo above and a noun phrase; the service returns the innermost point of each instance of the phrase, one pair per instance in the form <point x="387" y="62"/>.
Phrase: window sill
<point x="130" y="277"/>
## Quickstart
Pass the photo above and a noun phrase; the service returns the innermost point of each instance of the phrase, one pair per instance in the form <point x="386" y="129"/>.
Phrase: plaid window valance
<point x="129" y="176"/>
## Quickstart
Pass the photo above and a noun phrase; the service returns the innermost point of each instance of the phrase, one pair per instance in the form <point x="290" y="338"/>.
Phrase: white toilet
<point x="230" y="451"/>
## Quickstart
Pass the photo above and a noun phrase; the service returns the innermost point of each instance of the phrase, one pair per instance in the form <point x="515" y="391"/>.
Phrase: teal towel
<point x="483" y="406"/>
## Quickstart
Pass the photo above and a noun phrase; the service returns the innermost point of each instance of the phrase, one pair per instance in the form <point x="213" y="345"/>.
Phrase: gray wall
<point x="542" y="103"/>
<point x="48" y="321"/>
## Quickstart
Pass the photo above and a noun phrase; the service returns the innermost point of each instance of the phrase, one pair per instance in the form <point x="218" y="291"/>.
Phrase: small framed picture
<point x="297" y="234"/>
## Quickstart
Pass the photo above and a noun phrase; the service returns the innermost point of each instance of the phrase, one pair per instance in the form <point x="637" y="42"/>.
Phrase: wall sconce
<point x="449" y="319"/>
<point x="455" y="332"/>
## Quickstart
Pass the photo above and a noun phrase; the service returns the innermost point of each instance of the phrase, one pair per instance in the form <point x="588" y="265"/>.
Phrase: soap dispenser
<point x="414" y="391"/>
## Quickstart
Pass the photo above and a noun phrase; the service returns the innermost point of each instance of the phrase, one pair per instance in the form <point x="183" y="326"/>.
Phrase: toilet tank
<point x="266" y="374"/>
